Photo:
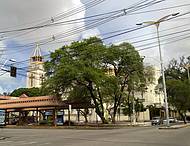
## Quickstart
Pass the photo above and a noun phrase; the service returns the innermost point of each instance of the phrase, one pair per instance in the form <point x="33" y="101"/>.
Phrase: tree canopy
<point x="31" y="92"/>
<point x="103" y="73"/>
<point x="178" y="87"/>
<point x="179" y="96"/>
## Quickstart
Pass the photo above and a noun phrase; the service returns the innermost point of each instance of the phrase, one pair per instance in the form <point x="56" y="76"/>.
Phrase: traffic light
<point x="13" y="71"/>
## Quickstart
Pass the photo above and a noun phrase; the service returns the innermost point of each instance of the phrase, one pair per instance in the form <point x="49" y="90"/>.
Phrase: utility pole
<point x="134" y="117"/>
<point x="69" y="115"/>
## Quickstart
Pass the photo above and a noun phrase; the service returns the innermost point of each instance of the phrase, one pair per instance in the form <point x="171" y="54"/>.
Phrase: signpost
<point x="2" y="118"/>
<point x="2" y="122"/>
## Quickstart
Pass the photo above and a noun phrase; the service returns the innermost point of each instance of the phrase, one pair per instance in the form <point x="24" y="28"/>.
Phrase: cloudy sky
<point x="24" y="13"/>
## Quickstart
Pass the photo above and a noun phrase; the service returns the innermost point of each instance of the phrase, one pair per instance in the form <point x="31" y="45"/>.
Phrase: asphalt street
<point x="140" y="136"/>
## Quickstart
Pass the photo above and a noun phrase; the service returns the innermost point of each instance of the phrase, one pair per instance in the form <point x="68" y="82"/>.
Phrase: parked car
<point x="171" y="120"/>
<point x="156" y="121"/>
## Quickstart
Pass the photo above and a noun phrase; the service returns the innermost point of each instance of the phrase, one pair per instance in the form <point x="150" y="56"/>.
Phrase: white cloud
<point x="1" y="90"/>
<point x="21" y="13"/>
<point x="90" y="33"/>
<point x="8" y="83"/>
<point x="14" y="14"/>
<point x="169" y="51"/>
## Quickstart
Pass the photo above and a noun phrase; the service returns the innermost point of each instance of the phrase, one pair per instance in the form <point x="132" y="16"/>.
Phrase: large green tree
<point x="87" y="63"/>
<point x="179" y="96"/>
<point x="128" y="72"/>
<point x="178" y="87"/>
<point x="31" y="92"/>
<point x="177" y="69"/>
<point x="79" y="64"/>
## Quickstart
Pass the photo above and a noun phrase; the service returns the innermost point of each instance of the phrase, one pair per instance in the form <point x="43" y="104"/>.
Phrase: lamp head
<point x="139" y="24"/>
<point x="175" y="14"/>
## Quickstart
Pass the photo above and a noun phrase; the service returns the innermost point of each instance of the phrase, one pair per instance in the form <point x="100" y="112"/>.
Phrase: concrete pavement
<point x="134" y="136"/>
<point x="177" y="126"/>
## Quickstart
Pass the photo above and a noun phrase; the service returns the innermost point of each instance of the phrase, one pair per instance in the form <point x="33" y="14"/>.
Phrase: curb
<point x="97" y="127"/>
<point x="175" y="127"/>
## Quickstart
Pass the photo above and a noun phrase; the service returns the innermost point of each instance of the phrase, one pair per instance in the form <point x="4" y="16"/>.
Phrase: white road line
<point x="44" y="144"/>
<point x="28" y="143"/>
<point x="17" y="142"/>
<point x="5" y="141"/>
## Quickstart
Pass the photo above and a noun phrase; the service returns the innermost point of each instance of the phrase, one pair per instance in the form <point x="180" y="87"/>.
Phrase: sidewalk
<point x="83" y="126"/>
<point x="175" y="126"/>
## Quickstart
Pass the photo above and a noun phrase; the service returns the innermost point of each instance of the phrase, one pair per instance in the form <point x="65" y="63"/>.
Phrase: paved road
<point x="142" y="136"/>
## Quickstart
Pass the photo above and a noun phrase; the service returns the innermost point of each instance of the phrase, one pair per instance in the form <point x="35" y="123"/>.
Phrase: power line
<point x="159" y="9"/>
<point x="100" y="20"/>
<point x="120" y="34"/>
<point x="147" y="48"/>
<point x="166" y="8"/>
<point x="152" y="38"/>
<point x="147" y="34"/>
<point x="119" y="10"/>
<point x="130" y="30"/>
<point x="173" y="41"/>
<point x="104" y="34"/>
<point x="66" y="14"/>
<point x="92" y="25"/>
<point x="69" y="21"/>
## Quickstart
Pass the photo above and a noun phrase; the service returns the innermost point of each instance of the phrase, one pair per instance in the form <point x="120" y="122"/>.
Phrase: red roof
<point x="30" y="102"/>
<point x="38" y="102"/>
<point x="8" y="98"/>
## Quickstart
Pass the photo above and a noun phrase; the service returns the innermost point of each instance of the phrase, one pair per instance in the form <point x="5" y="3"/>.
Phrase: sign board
<point x="70" y="107"/>
<point x="60" y="113"/>
<point x="2" y="117"/>
<point x="48" y="113"/>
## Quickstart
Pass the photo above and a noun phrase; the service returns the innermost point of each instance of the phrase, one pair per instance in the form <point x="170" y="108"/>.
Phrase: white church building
<point x="35" y="74"/>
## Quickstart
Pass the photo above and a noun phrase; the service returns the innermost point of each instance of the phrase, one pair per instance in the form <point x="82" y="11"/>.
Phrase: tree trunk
<point x="85" y="114"/>
<point x="101" y="115"/>
<point x="114" y="112"/>
<point x="113" y="116"/>
<point x="99" y="111"/>
<point x="129" y="105"/>
<point x="183" y="117"/>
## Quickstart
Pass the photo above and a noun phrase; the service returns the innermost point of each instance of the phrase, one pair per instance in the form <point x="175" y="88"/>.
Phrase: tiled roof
<point x="8" y="98"/>
<point x="39" y="102"/>
<point x="29" y="102"/>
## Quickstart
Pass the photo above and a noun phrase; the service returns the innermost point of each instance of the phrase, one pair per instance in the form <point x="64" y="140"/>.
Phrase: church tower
<point x="35" y="74"/>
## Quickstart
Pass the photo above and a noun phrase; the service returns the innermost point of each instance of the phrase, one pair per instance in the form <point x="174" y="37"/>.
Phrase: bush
<point x="66" y="123"/>
<point x="43" y="122"/>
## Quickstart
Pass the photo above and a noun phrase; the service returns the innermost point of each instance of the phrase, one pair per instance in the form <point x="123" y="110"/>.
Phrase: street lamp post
<point x="157" y="24"/>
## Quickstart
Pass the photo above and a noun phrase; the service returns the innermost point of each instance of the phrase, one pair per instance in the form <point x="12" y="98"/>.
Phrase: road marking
<point x="44" y="144"/>
<point x="18" y="142"/>
<point x="5" y="141"/>
<point x="28" y="143"/>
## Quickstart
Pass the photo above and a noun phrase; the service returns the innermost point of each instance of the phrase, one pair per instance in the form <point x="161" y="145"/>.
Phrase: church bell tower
<point x="35" y="74"/>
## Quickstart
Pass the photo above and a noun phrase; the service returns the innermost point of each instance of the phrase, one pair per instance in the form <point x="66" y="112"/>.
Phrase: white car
<point x="171" y="120"/>
<point x="156" y="121"/>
